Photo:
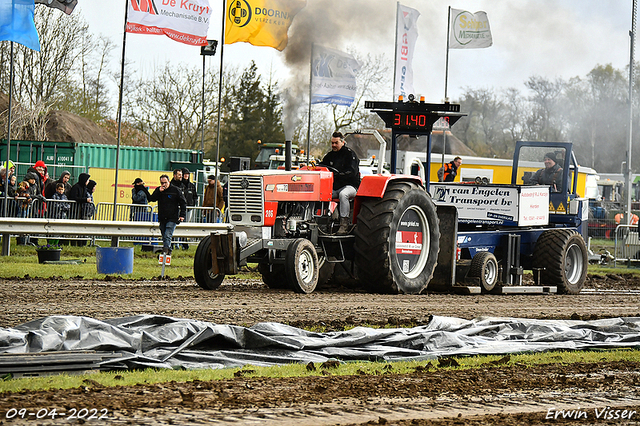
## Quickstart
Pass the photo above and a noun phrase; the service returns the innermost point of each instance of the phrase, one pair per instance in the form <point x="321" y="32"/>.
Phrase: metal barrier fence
<point x="627" y="244"/>
<point x="47" y="209"/>
<point x="603" y="228"/>
<point x="147" y="213"/>
<point x="70" y="210"/>
<point x="125" y="212"/>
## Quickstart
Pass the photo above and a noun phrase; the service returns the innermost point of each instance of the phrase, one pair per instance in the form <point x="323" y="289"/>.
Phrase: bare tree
<point x="168" y="108"/>
<point x="40" y="75"/>
<point x="87" y="94"/>
<point x="47" y="79"/>
<point x="545" y="122"/>
<point x="597" y="111"/>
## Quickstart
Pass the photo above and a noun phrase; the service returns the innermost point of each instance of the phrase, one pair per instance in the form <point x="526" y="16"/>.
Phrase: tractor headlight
<point x="242" y="238"/>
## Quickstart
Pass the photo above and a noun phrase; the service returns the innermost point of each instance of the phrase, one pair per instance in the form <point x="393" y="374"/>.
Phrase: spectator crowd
<point x="40" y="195"/>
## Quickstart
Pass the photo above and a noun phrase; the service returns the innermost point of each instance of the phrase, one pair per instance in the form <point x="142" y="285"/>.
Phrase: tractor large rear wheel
<point x="397" y="240"/>
<point x="202" y="266"/>
<point x="562" y="256"/>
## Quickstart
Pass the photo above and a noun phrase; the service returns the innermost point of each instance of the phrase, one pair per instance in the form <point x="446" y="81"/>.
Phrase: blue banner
<point x="16" y="23"/>
<point x="333" y="76"/>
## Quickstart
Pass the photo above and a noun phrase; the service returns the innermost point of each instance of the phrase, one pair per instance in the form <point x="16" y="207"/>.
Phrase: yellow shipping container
<point x="106" y="178"/>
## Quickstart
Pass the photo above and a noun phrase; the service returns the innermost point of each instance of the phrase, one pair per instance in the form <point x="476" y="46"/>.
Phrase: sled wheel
<point x="562" y="253"/>
<point x="397" y="240"/>
<point x="484" y="266"/>
<point x="301" y="266"/>
<point x="202" y="266"/>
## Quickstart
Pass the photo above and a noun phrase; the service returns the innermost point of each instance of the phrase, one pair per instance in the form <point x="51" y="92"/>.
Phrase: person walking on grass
<point x="172" y="209"/>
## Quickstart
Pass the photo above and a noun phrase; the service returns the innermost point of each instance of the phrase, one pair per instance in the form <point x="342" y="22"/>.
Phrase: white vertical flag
<point x="333" y="76"/>
<point x="469" y="30"/>
<point x="405" y="46"/>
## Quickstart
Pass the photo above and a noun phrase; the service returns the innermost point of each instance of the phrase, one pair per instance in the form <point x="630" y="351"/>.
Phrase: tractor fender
<point x="374" y="186"/>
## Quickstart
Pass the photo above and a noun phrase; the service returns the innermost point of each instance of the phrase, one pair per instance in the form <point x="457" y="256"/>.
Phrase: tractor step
<point x="337" y="248"/>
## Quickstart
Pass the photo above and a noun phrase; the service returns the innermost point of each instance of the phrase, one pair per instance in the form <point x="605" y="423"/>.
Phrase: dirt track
<point x="493" y="395"/>
<point x="249" y="302"/>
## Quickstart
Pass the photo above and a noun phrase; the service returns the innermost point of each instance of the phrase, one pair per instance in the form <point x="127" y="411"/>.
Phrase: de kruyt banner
<point x="186" y="21"/>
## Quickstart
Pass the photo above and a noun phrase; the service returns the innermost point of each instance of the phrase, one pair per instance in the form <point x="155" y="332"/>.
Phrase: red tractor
<point x="287" y="216"/>
<point x="283" y="221"/>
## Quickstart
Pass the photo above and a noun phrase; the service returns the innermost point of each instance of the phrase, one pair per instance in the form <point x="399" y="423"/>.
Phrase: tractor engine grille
<point x="246" y="203"/>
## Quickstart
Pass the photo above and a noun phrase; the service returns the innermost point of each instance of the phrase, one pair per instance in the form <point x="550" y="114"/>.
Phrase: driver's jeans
<point x="344" y="194"/>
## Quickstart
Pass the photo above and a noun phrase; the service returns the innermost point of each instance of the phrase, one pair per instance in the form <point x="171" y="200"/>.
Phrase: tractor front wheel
<point x="202" y="263"/>
<point x="301" y="266"/>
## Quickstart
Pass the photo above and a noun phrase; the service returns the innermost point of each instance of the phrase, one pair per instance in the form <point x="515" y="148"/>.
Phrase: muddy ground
<point x="494" y="395"/>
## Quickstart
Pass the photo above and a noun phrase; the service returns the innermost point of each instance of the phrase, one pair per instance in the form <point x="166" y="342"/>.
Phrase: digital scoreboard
<point x="414" y="116"/>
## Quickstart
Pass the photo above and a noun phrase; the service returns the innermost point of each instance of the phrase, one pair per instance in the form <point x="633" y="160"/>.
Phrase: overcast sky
<point x="550" y="38"/>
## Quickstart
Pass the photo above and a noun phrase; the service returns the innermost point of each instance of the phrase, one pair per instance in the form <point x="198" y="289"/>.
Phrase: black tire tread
<point x="372" y="238"/>
<point x="477" y="270"/>
<point x="202" y="264"/>
<point x="549" y="253"/>
<point x="273" y="278"/>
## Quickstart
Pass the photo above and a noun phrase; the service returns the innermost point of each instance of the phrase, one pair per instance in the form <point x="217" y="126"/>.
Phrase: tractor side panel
<point x="270" y="212"/>
<point x="375" y="186"/>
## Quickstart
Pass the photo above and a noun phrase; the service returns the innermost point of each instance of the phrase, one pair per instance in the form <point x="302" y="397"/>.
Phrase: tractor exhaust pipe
<point x="287" y="155"/>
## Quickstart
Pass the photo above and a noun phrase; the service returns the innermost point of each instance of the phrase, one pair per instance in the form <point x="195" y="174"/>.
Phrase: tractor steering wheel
<point x="332" y="169"/>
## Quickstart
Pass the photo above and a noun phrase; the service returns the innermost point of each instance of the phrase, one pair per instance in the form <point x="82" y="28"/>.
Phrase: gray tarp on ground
<point x="165" y="342"/>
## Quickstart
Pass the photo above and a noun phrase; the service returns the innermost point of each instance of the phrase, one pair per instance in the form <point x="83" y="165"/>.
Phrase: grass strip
<point x="23" y="263"/>
<point x="153" y="376"/>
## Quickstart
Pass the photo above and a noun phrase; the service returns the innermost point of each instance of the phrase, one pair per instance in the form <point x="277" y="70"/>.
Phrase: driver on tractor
<point x="344" y="164"/>
<point x="551" y="174"/>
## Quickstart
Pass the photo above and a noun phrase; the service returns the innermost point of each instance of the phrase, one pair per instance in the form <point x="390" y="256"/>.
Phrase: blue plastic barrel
<point x="114" y="260"/>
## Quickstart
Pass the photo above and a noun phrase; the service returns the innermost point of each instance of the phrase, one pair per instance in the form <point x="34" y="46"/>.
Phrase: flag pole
<point x="215" y="193"/>
<point x="446" y="67"/>
<point x="309" y="119"/>
<point x="114" y="240"/>
<point x="6" y="238"/>
<point x="6" y="176"/>
<point x="203" y="88"/>
<point x="395" y="55"/>
<point x="628" y="182"/>
<point x="446" y="83"/>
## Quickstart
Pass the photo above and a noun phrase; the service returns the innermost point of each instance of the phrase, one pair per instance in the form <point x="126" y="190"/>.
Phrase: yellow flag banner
<point x="261" y="22"/>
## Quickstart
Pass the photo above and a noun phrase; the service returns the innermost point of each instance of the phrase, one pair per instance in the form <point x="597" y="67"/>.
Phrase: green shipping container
<point x="58" y="156"/>
<point x="79" y="157"/>
<point x="132" y="157"/>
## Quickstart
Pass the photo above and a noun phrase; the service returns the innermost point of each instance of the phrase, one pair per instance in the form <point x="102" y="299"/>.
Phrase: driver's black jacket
<point x="551" y="176"/>
<point x="346" y="162"/>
